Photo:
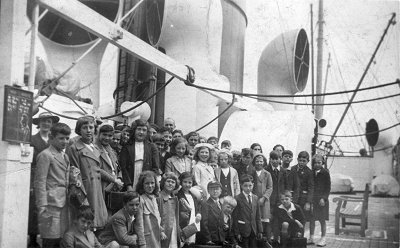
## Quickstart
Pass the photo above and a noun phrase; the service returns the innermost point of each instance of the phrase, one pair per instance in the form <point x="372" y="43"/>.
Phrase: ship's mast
<point x="320" y="51"/>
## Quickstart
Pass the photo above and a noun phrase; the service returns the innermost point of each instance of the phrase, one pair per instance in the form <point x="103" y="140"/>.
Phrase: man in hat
<point x="39" y="142"/>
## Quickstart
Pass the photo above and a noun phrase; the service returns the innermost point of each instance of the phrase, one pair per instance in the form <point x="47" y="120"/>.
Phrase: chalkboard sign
<point x="17" y="118"/>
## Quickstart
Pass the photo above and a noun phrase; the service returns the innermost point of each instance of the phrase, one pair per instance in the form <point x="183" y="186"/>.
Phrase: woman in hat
<point x="39" y="142"/>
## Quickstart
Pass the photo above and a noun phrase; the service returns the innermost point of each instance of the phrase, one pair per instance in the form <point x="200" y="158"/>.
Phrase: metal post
<point x="320" y="53"/>
<point x="32" y="58"/>
<point x="312" y="58"/>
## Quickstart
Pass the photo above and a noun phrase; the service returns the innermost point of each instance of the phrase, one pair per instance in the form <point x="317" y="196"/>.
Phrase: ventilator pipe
<point x="191" y="34"/>
<point x="283" y="66"/>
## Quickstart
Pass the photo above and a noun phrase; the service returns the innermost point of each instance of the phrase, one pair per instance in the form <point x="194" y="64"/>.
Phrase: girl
<point x="147" y="188"/>
<point x="202" y="171"/>
<point x="177" y="134"/>
<point x="322" y="189"/>
<point x="227" y="175"/>
<point x="86" y="157"/>
<point x="189" y="206"/>
<point x="263" y="189"/>
<point x="193" y="139"/>
<point x="179" y="162"/>
<point x="169" y="209"/>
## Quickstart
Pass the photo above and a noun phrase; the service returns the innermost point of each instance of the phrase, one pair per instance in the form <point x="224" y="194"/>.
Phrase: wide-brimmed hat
<point x="45" y="115"/>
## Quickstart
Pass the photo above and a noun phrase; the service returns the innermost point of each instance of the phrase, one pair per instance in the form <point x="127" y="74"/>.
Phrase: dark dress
<point x="322" y="189"/>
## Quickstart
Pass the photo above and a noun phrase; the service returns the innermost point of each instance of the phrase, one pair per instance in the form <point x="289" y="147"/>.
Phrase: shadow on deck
<point x="383" y="227"/>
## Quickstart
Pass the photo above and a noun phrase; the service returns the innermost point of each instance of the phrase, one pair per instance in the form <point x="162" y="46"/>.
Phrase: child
<point x="169" y="211"/>
<point x="293" y="183"/>
<point x="256" y="148"/>
<point x="202" y="171"/>
<point x="213" y="141"/>
<point x="279" y="149"/>
<point x="245" y="166"/>
<point x="167" y="136"/>
<point x="263" y="190"/>
<point x="125" y="228"/>
<point x="192" y="139"/>
<point x="306" y="180"/>
<point x="227" y="175"/>
<point x="228" y="238"/>
<point x="322" y="189"/>
<point x="290" y="217"/>
<point x="159" y="141"/>
<point x="189" y="206"/>
<point x="116" y="142"/>
<point x="211" y="223"/>
<point x="51" y="183"/>
<point x="279" y="184"/>
<point x="177" y="134"/>
<point x="226" y="144"/>
<point x="179" y="162"/>
<point x="246" y="216"/>
<point x="147" y="188"/>
<point x="79" y="234"/>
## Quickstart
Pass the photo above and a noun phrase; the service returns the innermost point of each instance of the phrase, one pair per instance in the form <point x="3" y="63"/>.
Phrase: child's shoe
<point x="322" y="242"/>
<point x="310" y="240"/>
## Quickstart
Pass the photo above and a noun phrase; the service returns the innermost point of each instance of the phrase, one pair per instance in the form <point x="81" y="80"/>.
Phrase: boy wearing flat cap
<point x="212" y="221"/>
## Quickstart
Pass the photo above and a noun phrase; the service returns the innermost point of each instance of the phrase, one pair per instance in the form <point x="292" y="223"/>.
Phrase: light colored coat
<point x="51" y="183"/>
<point x="203" y="174"/>
<point x="106" y="168"/>
<point x="174" y="165"/>
<point x="89" y="164"/>
<point x="263" y="188"/>
<point x="235" y="185"/>
<point x="151" y="222"/>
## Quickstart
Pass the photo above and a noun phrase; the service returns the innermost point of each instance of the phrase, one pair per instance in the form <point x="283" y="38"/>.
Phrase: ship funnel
<point x="283" y="67"/>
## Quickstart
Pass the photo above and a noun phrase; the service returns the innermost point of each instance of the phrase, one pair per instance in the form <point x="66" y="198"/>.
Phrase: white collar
<point x="291" y="209"/>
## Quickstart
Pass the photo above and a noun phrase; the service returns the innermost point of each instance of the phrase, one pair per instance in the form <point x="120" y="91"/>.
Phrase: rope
<point x="358" y="135"/>
<point x="223" y="112"/>
<point x="324" y="104"/>
<point x="306" y="95"/>
<point x="55" y="113"/>
<point x="66" y="95"/>
<point x="137" y="105"/>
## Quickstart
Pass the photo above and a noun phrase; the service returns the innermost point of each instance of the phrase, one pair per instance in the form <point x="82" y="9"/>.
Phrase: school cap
<point x="287" y="152"/>
<point x="214" y="184"/>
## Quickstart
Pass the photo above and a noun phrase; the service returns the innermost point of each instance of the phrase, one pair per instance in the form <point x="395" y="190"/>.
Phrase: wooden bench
<point x="352" y="207"/>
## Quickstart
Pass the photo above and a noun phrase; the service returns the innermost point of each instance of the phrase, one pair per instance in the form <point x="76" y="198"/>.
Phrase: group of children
<point x="199" y="194"/>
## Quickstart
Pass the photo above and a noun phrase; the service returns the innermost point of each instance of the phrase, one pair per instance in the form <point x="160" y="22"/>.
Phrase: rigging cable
<point x="137" y="105"/>
<point x="306" y="95"/>
<point x="324" y="104"/>
<point x="223" y="112"/>
<point x="358" y="135"/>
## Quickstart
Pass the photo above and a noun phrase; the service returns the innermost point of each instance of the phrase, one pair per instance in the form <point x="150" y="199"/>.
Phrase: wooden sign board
<point x="17" y="119"/>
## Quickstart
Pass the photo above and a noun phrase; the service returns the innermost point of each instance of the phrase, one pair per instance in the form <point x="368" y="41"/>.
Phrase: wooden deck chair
<point x="353" y="208"/>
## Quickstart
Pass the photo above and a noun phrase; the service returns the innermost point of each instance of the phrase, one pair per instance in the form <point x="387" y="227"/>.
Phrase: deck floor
<point x="383" y="227"/>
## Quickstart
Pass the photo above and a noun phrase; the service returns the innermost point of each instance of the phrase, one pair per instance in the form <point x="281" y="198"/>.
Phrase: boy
<point x="227" y="175"/>
<point x="279" y="184"/>
<point x="167" y="137"/>
<point x="290" y="217"/>
<point x="246" y="216"/>
<point x="322" y="188"/>
<point x="159" y="141"/>
<point x="293" y="183"/>
<point x="226" y="144"/>
<point x="306" y="180"/>
<point x="213" y="141"/>
<point x="228" y="205"/>
<point x="211" y="222"/>
<point x="51" y="183"/>
<point x="116" y="142"/>
<point x="79" y="234"/>
<point x="244" y="166"/>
